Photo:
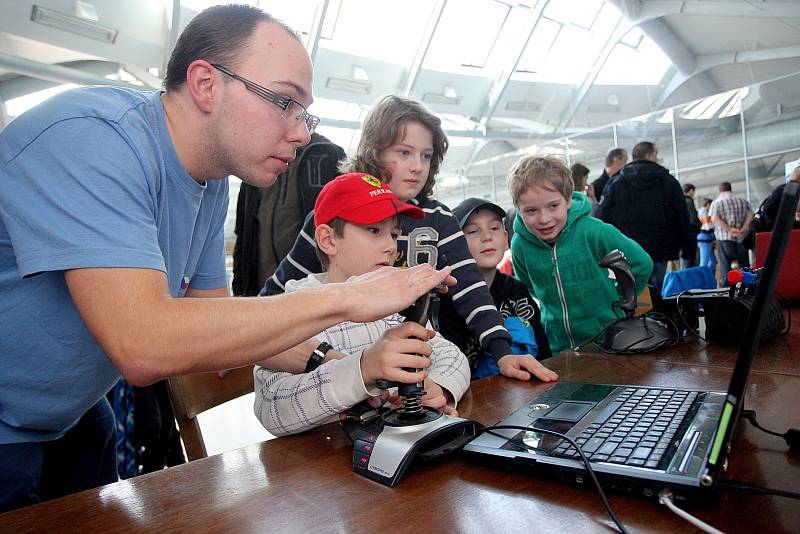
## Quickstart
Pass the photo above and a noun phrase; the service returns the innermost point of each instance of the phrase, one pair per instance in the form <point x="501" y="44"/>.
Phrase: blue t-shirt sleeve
<point x="210" y="272"/>
<point x="67" y="205"/>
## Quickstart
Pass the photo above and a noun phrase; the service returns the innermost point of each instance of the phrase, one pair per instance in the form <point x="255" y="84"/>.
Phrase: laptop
<point x="640" y="439"/>
<point x="788" y="284"/>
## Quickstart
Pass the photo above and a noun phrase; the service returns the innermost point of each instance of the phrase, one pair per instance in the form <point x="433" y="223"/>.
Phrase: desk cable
<point x="791" y="436"/>
<point x="665" y="498"/>
<point x="589" y="469"/>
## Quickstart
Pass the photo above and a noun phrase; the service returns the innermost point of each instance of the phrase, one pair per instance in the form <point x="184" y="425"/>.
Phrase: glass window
<point x="579" y="12"/>
<point x="539" y="46"/>
<point x="574" y="47"/>
<point x="643" y="64"/>
<point x="709" y="131"/>
<point x="376" y="29"/>
<point x="465" y="35"/>
<point x="298" y="14"/>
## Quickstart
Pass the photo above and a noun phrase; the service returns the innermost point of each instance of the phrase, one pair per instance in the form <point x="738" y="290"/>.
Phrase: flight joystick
<point x="618" y="264"/>
<point x="412" y="412"/>
<point x="631" y="334"/>
<point x="387" y="441"/>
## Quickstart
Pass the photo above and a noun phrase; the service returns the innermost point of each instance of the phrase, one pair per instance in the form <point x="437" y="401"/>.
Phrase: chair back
<point x="194" y="394"/>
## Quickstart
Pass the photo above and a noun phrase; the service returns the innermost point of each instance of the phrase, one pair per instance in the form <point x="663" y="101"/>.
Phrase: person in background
<point x="770" y="208"/>
<point x="645" y="202"/>
<point x="615" y="160"/>
<point x="482" y="223"/>
<point x="580" y="175"/>
<point x="694" y="221"/>
<point x="705" y="238"/>
<point x="556" y="247"/>
<point x="357" y="223"/>
<point x="730" y="215"/>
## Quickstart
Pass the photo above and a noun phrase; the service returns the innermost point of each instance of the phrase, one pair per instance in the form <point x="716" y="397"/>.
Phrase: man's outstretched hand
<point x="388" y="290"/>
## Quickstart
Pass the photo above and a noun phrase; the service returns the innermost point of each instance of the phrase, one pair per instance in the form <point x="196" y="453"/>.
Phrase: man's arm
<point x="150" y="335"/>
<point x="720" y="223"/>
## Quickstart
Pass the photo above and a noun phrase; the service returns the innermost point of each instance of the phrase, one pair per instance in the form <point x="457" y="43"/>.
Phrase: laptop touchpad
<point x="570" y="411"/>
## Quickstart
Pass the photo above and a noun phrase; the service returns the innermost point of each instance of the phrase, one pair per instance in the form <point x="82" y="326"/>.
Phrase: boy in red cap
<point x="357" y="226"/>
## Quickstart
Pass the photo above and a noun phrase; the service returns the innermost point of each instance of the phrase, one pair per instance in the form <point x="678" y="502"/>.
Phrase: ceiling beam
<point x="633" y="15"/>
<point x="510" y="67"/>
<point x="619" y="32"/>
<point x="172" y="19"/>
<point x="141" y="74"/>
<point x="706" y="62"/>
<point x="56" y="73"/>
<point x="316" y="29"/>
<point x="494" y="133"/>
<point x="424" y="46"/>
<point x="720" y="8"/>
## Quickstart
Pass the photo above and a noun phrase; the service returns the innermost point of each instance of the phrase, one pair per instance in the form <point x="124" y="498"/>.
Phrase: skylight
<point x="645" y="64"/>
<point x="466" y="34"/>
<point x="567" y="41"/>
<point x="362" y="28"/>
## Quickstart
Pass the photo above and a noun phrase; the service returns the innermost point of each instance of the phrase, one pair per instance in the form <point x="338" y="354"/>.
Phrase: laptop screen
<point x="755" y="322"/>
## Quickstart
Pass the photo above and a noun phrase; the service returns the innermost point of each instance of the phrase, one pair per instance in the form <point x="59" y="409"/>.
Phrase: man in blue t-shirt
<point x="112" y="205"/>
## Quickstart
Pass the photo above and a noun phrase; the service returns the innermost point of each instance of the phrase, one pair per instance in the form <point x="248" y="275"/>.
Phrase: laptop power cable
<point x="589" y="469"/>
<point x="666" y="498"/>
<point x="791" y="436"/>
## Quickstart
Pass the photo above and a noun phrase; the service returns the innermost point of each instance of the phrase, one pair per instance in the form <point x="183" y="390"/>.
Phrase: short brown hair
<point x="337" y="225"/>
<point x="384" y="125"/>
<point x="643" y="149"/>
<point x="534" y="171"/>
<point x="614" y="154"/>
<point x="218" y="34"/>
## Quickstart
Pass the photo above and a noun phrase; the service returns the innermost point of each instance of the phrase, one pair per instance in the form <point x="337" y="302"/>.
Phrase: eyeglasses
<point x="291" y="110"/>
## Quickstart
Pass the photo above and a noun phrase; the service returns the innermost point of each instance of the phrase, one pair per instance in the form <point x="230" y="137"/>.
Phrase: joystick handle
<point x="418" y="313"/>
<point x="618" y="263"/>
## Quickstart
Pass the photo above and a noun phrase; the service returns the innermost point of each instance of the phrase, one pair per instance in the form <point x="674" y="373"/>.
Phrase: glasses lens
<point x="311" y="123"/>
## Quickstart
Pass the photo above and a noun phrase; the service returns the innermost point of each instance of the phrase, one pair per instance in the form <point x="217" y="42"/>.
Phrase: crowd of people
<point x="112" y="259"/>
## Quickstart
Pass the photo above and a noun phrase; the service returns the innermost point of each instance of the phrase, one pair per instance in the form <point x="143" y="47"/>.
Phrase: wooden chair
<point x="196" y="393"/>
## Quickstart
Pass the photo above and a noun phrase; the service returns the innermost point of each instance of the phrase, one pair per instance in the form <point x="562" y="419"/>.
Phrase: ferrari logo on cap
<point x="371" y="180"/>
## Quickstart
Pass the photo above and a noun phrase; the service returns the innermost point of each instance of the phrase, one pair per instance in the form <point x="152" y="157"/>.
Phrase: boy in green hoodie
<point x="555" y="250"/>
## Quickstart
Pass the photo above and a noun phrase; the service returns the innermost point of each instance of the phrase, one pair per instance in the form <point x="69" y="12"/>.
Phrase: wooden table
<point x="304" y="483"/>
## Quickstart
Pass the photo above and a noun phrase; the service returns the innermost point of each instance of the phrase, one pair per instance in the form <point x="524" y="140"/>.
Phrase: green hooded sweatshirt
<point x="576" y="295"/>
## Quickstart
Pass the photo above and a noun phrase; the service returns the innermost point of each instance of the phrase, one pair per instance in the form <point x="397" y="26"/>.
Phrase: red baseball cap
<point x="360" y="198"/>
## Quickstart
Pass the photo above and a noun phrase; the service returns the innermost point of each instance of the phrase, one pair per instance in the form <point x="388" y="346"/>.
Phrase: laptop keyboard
<point x="636" y="429"/>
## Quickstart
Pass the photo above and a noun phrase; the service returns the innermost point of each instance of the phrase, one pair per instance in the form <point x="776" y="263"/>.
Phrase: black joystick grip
<point x="618" y="263"/>
<point x="417" y="313"/>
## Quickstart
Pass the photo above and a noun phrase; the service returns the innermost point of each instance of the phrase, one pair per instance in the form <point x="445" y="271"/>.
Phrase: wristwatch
<point x="315" y="360"/>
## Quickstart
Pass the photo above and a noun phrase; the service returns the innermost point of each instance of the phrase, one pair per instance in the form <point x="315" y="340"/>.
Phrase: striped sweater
<point x="437" y="238"/>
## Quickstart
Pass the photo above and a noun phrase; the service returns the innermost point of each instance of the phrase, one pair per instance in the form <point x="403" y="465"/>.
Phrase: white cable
<point x="665" y="498"/>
